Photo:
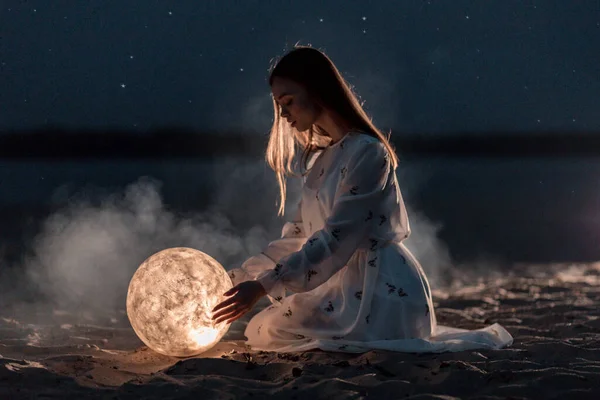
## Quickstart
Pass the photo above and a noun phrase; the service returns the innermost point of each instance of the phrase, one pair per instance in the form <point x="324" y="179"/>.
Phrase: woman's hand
<point x="245" y="295"/>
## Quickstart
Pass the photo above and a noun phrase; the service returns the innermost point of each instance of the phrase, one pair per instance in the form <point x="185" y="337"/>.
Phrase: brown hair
<point x="312" y="69"/>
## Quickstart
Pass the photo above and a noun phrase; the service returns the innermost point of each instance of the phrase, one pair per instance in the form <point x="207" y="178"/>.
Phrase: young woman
<point x="355" y="286"/>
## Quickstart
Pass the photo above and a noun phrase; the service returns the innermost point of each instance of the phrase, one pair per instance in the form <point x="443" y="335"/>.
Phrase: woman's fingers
<point x="232" y="291"/>
<point x="232" y="316"/>
<point x="226" y="310"/>
<point x="224" y="304"/>
<point x="236" y="316"/>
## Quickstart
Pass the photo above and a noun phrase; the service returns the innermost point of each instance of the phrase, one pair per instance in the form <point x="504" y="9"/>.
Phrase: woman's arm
<point x="358" y="198"/>
<point x="291" y="240"/>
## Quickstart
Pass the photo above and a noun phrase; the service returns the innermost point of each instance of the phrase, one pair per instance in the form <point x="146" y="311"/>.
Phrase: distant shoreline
<point x="174" y="143"/>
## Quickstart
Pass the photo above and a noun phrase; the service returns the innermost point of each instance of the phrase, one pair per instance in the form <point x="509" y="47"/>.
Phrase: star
<point x="364" y="18"/>
<point x="122" y="85"/>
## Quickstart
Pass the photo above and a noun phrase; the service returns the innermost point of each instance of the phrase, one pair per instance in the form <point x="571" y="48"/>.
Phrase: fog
<point x="84" y="255"/>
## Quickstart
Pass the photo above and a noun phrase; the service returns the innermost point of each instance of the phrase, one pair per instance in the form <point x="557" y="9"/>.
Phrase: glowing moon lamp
<point x="170" y="301"/>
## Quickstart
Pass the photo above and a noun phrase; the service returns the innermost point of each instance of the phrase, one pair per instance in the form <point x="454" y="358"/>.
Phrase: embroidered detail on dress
<point x="358" y="295"/>
<point x="300" y="336"/>
<point x="278" y="269"/>
<point x="370" y="216"/>
<point x="310" y="273"/>
<point x="336" y="337"/>
<point x="311" y="241"/>
<point x="232" y="275"/>
<point x="391" y="288"/>
<point x="367" y="318"/>
<point x="372" y="262"/>
<point x="288" y="313"/>
<point x="297" y="230"/>
<point x="317" y="196"/>
<point x="401" y="292"/>
<point x="329" y="307"/>
<point x="342" y="347"/>
<point x="322" y="172"/>
<point x="258" y="330"/>
<point x="382" y="219"/>
<point x="354" y="190"/>
<point x="374" y="243"/>
<point x="336" y="233"/>
<point x="278" y="298"/>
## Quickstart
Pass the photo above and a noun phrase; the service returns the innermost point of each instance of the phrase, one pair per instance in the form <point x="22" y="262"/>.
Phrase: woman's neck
<point x="335" y="130"/>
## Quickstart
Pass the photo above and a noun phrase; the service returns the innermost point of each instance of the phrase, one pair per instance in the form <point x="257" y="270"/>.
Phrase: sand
<point x="552" y="312"/>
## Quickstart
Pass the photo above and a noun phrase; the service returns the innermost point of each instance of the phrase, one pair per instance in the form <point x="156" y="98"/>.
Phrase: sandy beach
<point x="552" y="312"/>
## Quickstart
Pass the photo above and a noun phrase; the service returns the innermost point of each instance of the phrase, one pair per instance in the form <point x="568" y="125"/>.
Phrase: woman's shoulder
<point x="357" y="141"/>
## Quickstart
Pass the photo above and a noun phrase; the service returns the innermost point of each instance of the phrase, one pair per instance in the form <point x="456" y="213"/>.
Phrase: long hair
<point x="313" y="70"/>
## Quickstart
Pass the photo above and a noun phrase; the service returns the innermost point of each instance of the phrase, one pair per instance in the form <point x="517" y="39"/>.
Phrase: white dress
<point x="340" y="278"/>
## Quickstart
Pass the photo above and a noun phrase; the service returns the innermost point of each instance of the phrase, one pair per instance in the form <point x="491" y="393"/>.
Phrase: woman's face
<point x="295" y="103"/>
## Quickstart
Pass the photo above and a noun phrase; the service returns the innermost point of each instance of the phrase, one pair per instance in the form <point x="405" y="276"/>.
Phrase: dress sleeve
<point x="291" y="240"/>
<point x="358" y="197"/>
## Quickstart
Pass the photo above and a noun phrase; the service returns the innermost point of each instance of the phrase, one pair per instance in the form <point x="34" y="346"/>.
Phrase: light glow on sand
<point x="170" y="301"/>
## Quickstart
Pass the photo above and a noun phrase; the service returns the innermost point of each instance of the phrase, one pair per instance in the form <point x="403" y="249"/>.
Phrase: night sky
<point x="421" y="66"/>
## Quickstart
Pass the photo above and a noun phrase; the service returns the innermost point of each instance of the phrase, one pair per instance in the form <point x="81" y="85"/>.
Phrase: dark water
<point x="530" y="209"/>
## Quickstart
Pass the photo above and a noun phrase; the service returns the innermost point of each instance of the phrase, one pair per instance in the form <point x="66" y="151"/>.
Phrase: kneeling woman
<point x="355" y="286"/>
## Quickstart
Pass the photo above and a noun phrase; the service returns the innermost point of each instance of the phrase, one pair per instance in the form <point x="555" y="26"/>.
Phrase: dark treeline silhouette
<point x="57" y="144"/>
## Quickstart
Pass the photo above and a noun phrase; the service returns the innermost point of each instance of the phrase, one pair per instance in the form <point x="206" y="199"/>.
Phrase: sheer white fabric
<point x="354" y="286"/>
